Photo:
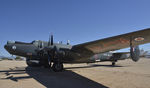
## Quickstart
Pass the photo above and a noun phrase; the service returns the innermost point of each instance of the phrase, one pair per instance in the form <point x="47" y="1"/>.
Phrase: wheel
<point x="47" y="64"/>
<point x="32" y="64"/>
<point x="45" y="61"/>
<point x="113" y="63"/>
<point x="57" y="67"/>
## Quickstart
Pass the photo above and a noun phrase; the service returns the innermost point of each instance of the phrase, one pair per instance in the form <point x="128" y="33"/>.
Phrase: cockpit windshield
<point x="38" y="43"/>
<point x="10" y="42"/>
<point x="35" y="42"/>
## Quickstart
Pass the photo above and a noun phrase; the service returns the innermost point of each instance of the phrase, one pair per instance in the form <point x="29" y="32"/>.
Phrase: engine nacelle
<point x="135" y="53"/>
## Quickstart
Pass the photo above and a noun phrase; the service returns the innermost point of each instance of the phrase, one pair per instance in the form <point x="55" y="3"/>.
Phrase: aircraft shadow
<point x="50" y="79"/>
<point x="93" y="65"/>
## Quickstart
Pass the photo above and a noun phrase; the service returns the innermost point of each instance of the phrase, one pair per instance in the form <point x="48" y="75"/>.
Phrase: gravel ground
<point x="126" y="74"/>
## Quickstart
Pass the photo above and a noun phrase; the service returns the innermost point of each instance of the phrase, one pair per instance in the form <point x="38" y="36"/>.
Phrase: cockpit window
<point x="10" y="42"/>
<point x="35" y="42"/>
<point x="38" y="43"/>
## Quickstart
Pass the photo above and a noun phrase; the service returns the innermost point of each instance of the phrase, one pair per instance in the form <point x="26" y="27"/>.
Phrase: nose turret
<point x="6" y="47"/>
<point x="10" y="42"/>
<point x="10" y="47"/>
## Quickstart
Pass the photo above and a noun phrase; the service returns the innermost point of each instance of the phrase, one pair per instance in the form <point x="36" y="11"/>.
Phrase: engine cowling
<point x="135" y="53"/>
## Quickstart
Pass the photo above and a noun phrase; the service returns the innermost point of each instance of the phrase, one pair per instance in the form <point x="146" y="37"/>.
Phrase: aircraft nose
<point x="7" y="47"/>
<point x="10" y="47"/>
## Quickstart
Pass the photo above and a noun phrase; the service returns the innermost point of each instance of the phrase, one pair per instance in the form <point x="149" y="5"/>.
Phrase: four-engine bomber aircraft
<point x="42" y="53"/>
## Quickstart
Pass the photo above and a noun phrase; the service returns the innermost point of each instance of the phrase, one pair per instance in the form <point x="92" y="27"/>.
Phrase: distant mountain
<point x="6" y="57"/>
<point x="1" y="57"/>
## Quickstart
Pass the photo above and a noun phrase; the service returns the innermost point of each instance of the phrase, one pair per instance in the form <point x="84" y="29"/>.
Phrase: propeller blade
<point x="51" y="39"/>
<point x="134" y="52"/>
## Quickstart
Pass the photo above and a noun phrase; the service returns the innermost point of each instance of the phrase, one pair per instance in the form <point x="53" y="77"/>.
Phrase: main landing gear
<point x="53" y="61"/>
<point x="56" y="65"/>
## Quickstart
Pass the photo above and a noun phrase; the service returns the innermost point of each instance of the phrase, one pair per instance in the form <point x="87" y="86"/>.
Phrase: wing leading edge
<point x="116" y="42"/>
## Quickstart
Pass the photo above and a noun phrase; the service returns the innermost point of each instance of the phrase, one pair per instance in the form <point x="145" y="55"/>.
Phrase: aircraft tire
<point x="57" y="67"/>
<point x="47" y="65"/>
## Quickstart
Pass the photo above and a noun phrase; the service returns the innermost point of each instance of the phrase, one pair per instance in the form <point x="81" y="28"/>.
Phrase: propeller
<point x="134" y="52"/>
<point x="50" y="42"/>
<point x="48" y="51"/>
<point x="51" y="39"/>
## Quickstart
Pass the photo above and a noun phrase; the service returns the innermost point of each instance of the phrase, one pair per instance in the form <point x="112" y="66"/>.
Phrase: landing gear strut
<point x="57" y="61"/>
<point x="57" y="65"/>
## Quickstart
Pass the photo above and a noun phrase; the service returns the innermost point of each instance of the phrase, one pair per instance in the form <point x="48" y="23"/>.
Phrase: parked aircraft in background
<point x="110" y="56"/>
<point x="53" y="55"/>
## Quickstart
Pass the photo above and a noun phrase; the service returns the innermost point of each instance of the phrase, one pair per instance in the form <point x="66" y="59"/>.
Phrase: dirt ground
<point x="126" y="74"/>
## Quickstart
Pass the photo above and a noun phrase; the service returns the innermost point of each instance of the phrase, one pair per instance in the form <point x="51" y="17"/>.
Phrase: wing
<point x="116" y="42"/>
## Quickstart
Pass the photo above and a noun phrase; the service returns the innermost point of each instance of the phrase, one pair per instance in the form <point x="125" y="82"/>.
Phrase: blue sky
<point x="77" y="20"/>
